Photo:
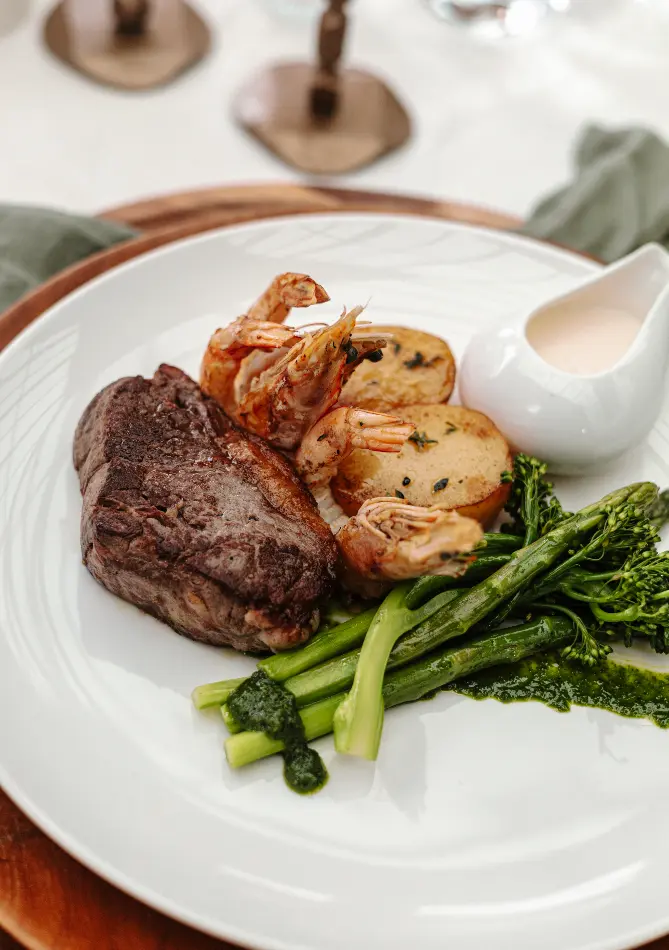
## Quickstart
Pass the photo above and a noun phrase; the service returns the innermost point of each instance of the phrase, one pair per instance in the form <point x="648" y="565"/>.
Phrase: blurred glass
<point x="495" y="18"/>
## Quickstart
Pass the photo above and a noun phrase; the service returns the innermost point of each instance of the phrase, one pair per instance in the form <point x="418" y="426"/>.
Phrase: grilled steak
<point x="195" y="521"/>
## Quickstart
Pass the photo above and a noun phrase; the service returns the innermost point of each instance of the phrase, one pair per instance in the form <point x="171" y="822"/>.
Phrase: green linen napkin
<point x="36" y="243"/>
<point x="617" y="201"/>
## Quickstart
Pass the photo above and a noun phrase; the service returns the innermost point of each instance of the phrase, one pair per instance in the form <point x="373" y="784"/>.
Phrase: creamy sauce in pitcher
<point x="582" y="340"/>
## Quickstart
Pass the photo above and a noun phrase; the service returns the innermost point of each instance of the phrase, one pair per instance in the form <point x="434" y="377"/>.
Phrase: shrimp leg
<point x="285" y="292"/>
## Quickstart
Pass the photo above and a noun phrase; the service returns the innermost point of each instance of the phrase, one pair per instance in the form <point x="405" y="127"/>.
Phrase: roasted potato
<point x="456" y="456"/>
<point x="416" y="368"/>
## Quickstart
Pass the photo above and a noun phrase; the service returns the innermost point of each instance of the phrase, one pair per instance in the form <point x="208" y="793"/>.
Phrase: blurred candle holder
<point x="498" y="18"/>
<point x="319" y="118"/>
<point x="129" y="44"/>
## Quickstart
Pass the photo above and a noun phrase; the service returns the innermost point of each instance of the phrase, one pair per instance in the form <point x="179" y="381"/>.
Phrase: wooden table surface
<point x="48" y="901"/>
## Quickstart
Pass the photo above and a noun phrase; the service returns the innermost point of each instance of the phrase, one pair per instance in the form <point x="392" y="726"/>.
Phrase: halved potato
<point x="456" y="456"/>
<point x="416" y="368"/>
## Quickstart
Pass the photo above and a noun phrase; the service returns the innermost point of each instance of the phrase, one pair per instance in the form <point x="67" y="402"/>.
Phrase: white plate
<point x="480" y="826"/>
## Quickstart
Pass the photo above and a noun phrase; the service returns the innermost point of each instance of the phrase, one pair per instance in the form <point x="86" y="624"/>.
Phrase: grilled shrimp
<point x="228" y="347"/>
<point x="391" y="540"/>
<point x="290" y="396"/>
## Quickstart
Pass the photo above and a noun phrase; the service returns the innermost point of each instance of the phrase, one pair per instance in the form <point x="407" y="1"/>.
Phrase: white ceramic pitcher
<point x="575" y="421"/>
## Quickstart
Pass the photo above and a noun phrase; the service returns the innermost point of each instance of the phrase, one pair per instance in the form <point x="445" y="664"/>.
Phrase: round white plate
<point x="481" y="825"/>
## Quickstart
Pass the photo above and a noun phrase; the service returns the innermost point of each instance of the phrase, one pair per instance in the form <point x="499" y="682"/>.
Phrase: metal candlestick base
<point x="367" y="120"/>
<point x="129" y="44"/>
<point x="319" y="118"/>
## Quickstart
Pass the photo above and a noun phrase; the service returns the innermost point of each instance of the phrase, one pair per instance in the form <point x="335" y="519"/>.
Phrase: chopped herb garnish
<point x="398" y="493"/>
<point x="321" y="437"/>
<point x="451" y="428"/>
<point x="440" y="485"/>
<point x="415" y="361"/>
<point x="419" y="360"/>
<point x="350" y="350"/>
<point x="374" y="356"/>
<point x="420" y="440"/>
<point x="406" y="481"/>
<point x="397" y="347"/>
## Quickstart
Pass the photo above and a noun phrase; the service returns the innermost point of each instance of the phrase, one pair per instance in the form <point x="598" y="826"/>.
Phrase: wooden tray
<point x="48" y="901"/>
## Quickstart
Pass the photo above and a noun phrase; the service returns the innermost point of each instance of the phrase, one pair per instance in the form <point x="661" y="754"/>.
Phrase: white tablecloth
<point x="494" y="123"/>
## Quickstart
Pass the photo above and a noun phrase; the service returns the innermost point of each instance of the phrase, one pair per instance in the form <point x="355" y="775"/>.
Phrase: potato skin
<point x="383" y="386"/>
<point x="468" y="450"/>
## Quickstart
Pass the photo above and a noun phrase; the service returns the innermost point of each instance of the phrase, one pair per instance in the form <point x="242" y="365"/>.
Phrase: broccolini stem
<point x="593" y="597"/>
<point x="331" y="677"/>
<point x="491" y="552"/>
<point x="214" y="694"/>
<point x="229" y="719"/>
<point x="358" y="722"/>
<point x="499" y="542"/>
<point x="326" y="644"/>
<point x="416" y="680"/>
<point x="322" y="647"/>
<point x="630" y="615"/>
<point x="338" y="673"/>
<point x="507" y="645"/>
<point x="658" y="511"/>
<point x="585" y="648"/>
<point x="535" y="489"/>
<point x="485" y="564"/>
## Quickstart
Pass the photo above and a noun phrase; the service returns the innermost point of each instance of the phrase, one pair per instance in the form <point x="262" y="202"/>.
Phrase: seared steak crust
<point x="194" y="520"/>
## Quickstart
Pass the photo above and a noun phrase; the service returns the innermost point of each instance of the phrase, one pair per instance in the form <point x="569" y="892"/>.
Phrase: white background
<point x="494" y="123"/>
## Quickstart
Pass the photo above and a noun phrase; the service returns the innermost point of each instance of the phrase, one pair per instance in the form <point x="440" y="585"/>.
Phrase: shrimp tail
<point x="285" y="292"/>
<point x="338" y="433"/>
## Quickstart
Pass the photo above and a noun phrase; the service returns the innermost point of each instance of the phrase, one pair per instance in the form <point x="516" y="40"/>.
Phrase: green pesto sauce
<point x="263" y="705"/>
<point x="560" y="684"/>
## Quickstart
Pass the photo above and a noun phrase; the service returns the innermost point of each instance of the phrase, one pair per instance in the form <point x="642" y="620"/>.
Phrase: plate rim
<point x="175" y="237"/>
<point x="20" y="315"/>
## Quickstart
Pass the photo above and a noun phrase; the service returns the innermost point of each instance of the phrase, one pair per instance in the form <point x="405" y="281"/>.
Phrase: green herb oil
<point x="260" y="704"/>
<point x="560" y="684"/>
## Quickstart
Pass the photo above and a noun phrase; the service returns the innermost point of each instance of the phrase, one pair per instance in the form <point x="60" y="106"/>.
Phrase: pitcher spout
<point x="638" y="283"/>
